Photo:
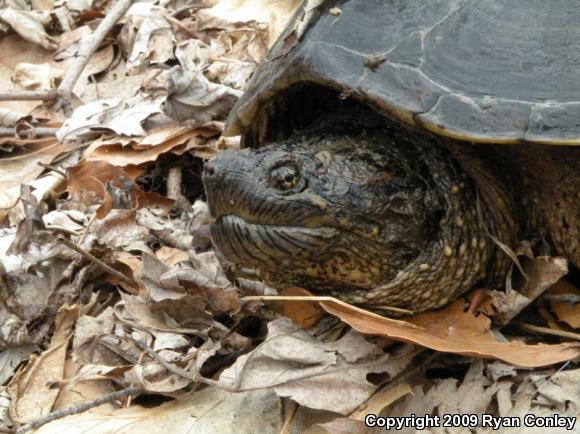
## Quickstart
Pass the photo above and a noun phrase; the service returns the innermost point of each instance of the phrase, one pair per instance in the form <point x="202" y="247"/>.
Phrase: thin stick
<point x="80" y="408"/>
<point x="27" y="95"/>
<point x="88" y="48"/>
<point x="178" y="371"/>
<point x="95" y="260"/>
<point x="549" y="331"/>
<point x="289" y="418"/>
<point x="321" y="298"/>
<point x="52" y="168"/>
<point x="34" y="132"/>
<point x="233" y="388"/>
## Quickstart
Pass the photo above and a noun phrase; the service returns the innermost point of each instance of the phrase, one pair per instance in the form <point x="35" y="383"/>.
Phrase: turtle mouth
<point x="251" y="244"/>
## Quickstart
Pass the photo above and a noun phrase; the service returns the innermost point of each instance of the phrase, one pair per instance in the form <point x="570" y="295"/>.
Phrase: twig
<point x="325" y="298"/>
<point x="549" y="331"/>
<point x="80" y="408"/>
<point x="175" y="370"/>
<point x="195" y="7"/>
<point x="95" y="260"/>
<point x="88" y="48"/>
<point x="289" y="418"/>
<point x="34" y="132"/>
<point x="563" y="298"/>
<point x="52" y="168"/>
<point x="561" y="369"/>
<point x="27" y="95"/>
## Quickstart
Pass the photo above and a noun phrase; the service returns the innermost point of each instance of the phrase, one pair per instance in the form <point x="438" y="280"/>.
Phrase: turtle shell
<point x="476" y="70"/>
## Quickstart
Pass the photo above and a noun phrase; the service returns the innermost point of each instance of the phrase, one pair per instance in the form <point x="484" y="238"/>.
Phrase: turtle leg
<point x="551" y="195"/>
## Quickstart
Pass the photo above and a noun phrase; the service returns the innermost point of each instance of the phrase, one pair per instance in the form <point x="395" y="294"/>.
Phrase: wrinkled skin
<point x="381" y="216"/>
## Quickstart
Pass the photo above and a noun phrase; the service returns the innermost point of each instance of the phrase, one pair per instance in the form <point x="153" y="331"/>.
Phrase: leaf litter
<point x="108" y="281"/>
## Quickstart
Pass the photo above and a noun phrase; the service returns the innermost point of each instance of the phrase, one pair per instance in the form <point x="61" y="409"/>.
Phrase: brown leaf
<point x="304" y="313"/>
<point x="452" y="330"/>
<point x="129" y="152"/>
<point x="94" y="181"/>
<point x="566" y="312"/>
<point x="92" y="176"/>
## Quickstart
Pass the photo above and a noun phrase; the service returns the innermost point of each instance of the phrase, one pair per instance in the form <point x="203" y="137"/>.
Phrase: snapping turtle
<point x="395" y="152"/>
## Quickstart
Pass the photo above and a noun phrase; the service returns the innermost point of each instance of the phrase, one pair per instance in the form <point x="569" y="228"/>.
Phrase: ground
<point x="116" y="314"/>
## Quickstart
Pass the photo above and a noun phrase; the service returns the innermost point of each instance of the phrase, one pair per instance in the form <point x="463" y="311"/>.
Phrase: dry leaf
<point x="208" y="411"/>
<point x="31" y="396"/>
<point x="74" y="393"/>
<point x="111" y="115"/>
<point x="124" y="151"/>
<point x="87" y="332"/>
<point x="382" y="399"/>
<point x="454" y="331"/>
<point x="92" y="182"/>
<point x="471" y="396"/>
<point x="11" y="357"/>
<point x="23" y="169"/>
<point x="154" y="40"/>
<point x="340" y="426"/>
<point x="10" y="118"/>
<point x="6" y="424"/>
<point x="205" y="279"/>
<point x="304" y="313"/>
<point x="15" y="50"/>
<point x="561" y="389"/>
<point x="70" y="221"/>
<point x="330" y="376"/>
<point x="29" y="25"/>
<point x="542" y="273"/>
<point x="566" y="311"/>
<point x="192" y="97"/>
<point x="275" y="13"/>
<point x="37" y="76"/>
<point x="26" y="293"/>
<point x="91" y="177"/>
<point x="136" y="312"/>
<point x="171" y="256"/>
<point x="156" y="379"/>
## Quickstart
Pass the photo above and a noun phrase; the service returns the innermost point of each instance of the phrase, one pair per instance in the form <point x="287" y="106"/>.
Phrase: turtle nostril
<point x="209" y="170"/>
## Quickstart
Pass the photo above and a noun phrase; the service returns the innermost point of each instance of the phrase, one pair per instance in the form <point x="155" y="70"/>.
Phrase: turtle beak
<point x="222" y="177"/>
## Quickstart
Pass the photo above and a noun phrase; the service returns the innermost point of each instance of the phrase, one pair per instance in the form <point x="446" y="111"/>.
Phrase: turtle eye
<point x="285" y="177"/>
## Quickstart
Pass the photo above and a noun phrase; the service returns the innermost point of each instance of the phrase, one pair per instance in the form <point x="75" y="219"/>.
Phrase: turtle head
<point x="323" y="213"/>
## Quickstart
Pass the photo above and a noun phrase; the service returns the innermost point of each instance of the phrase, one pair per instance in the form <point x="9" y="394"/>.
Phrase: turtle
<point x="394" y="152"/>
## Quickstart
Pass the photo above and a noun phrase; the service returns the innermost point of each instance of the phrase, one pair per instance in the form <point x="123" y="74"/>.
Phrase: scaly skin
<point x="376" y="214"/>
<point x="551" y="194"/>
